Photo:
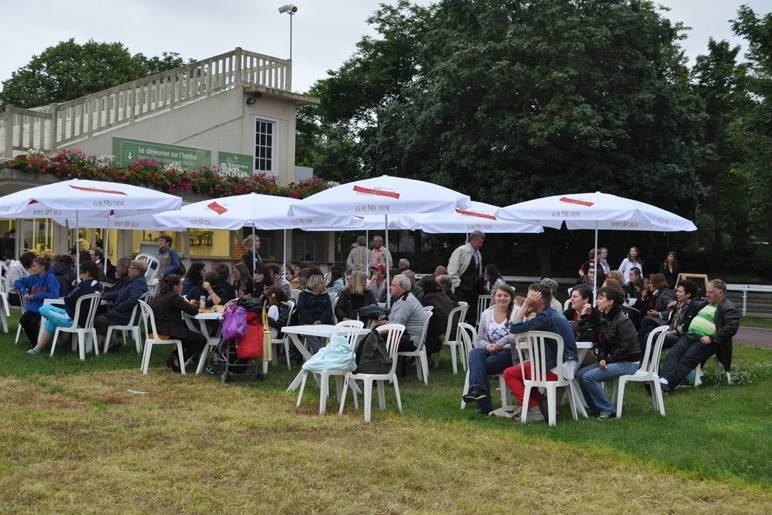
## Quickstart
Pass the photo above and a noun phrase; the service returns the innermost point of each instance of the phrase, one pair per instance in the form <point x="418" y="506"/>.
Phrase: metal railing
<point x="49" y="127"/>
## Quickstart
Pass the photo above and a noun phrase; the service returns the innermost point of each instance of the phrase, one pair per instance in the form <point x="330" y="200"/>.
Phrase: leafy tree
<point x="722" y="85"/>
<point x="70" y="70"/>
<point x="753" y="131"/>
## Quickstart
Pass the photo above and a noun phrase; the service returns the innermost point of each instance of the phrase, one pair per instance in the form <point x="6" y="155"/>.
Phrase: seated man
<point x="417" y="289"/>
<point x="710" y="332"/>
<point x="678" y="315"/>
<point x="124" y="299"/>
<point x="406" y="310"/>
<point x="537" y="302"/>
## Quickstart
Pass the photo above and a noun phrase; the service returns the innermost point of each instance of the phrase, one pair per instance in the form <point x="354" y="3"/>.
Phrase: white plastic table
<point x="297" y="332"/>
<point x="211" y="340"/>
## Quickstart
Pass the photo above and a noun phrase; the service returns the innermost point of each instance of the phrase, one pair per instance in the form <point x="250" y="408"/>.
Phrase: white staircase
<point x="54" y="126"/>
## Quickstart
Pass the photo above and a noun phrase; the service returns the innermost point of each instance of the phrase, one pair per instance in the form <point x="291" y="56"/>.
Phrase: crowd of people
<point x="629" y="305"/>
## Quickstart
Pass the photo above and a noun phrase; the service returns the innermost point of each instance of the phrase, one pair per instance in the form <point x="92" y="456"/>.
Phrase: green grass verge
<point x="716" y="433"/>
<point x="765" y="323"/>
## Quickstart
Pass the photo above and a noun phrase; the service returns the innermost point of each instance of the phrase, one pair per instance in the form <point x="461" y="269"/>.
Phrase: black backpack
<point x="372" y="356"/>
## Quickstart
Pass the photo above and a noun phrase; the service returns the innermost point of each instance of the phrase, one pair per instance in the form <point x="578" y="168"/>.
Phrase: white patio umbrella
<point x="76" y="197"/>
<point x="266" y="212"/>
<point x="381" y="196"/>
<point x="479" y="217"/>
<point x="595" y="211"/>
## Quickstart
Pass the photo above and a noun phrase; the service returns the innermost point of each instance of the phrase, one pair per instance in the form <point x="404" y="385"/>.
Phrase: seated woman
<point x="168" y="307"/>
<point x="493" y="278"/>
<point x="56" y="316"/>
<point x="216" y="290"/>
<point x="242" y="280"/>
<point x="493" y="353"/>
<point x="619" y="353"/>
<point x="314" y="307"/>
<point x="191" y="284"/>
<point x="435" y="296"/>
<point x="337" y="281"/>
<point x="278" y="311"/>
<point x="354" y="296"/>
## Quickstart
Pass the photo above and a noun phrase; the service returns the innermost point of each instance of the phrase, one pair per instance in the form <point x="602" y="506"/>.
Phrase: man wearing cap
<point x="465" y="270"/>
<point x="377" y="283"/>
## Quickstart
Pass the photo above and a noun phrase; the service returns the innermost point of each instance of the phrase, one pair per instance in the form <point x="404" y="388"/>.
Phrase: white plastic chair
<point x="467" y="334"/>
<point x="648" y="371"/>
<point x="451" y="338"/>
<point x="483" y="303"/>
<point x="5" y="309"/>
<point x="82" y="332"/>
<point x="132" y="326"/>
<point x="393" y="335"/>
<point x="153" y="338"/>
<point x="699" y="372"/>
<point x="422" y="359"/>
<point x="535" y="343"/>
<point x="294" y="294"/>
<point x="350" y="330"/>
<point x="283" y="340"/>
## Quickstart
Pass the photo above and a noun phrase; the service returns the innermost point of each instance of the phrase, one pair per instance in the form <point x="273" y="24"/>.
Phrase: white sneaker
<point x="507" y="412"/>
<point x="534" y="415"/>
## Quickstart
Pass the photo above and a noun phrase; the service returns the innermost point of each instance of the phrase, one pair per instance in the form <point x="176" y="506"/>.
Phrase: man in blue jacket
<point x="537" y="304"/>
<point x="124" y="299"/>
<point x="41" y="284"/>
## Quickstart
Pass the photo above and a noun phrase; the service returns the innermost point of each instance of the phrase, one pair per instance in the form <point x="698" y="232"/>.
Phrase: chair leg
<point x="182" y="359"/>
<point x="93" y="335"/>
<point x="286" y="353"/>
<point x="552" y="405"/>
<point x="453" y="358"/>
<point x="578" y="398"/>
<point x="108" y="336"/>
<point x="324" y="386"/>
<point x="698" y="375"/>
<point x="342" y="397"/>
<point x="146" y="357"/>
<point x="621" y="396"/>
<point x="572" y="402"/>
<point x="396" y="394"/>
<point x="18" y="333"/>
<point x="4" y="321"/>
<point x="302" y="387"/>
<point x="465" y="390"/>
<point x="660" y="400"/>
<point x="53" y="342"/>
<point x="424" y="366"/>
<point x="137" y="339"/>
<point x="381" y="395"/>
<point x="417" y="366"/>
<point x="526" y="399"/>
<point x="368" y="399"/>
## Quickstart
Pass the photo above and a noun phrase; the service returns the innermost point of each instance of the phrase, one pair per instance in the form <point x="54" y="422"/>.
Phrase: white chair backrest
<point x="424" y="330"/>
<point x="349" y="329"/>
<point x="467" y="335"/>
<point x="654" y="342"/>
<point x="152" y="266"/>
<point x="536" y="344"/>
<point x="148" y="320"/>
<point x="93" y="300"/>
<point x="455" y="315"/>
<point x="567" y="304"/>
<point x="294" y="293"/>
<point x="483" y="303"/>
<point x="429" y="308"/>
<point x="393" y="335"/>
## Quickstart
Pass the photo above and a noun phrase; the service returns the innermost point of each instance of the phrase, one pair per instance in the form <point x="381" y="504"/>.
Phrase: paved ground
<point x="754" y="336"/>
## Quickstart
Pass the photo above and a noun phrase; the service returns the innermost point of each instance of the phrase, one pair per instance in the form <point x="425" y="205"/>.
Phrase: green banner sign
<point x="126" y="151"/>
<point x="234" y="164"/>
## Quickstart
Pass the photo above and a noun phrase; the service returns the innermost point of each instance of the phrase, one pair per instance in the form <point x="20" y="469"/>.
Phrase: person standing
<point x="249" y="258"/>
<point x="633" y="259"/>
<point x="357" y="256"/>
<point x="670" y="269"/>
<point x="380" y="255"/>
<point x="168" y="259"/>
<point x="465" y="270"/>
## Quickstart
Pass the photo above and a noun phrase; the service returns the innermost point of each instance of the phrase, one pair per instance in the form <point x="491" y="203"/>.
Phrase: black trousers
<point x="192" y="343"/>
<point x="101" y="323"/>
<point x="684" y="357"/>
<point x="30" y="322"/>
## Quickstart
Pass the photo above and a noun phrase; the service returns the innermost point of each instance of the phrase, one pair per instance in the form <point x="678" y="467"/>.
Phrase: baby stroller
<point x="242" y="341"/>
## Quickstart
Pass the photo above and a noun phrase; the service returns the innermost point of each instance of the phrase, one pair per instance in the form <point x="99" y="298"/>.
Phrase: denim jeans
<point x="591" y="377"/>
<point x="482" y="364"/>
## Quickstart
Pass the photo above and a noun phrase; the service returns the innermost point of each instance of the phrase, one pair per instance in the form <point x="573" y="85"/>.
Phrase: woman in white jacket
<point x="633" y="260"/>
<point x="493" y="353"/>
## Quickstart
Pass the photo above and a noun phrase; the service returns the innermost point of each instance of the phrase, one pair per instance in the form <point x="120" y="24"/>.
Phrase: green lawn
<point x="74" y="438"/>
<point x="765" y="323"/>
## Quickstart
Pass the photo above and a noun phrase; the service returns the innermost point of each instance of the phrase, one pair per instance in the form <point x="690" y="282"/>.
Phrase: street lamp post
<point x="290" y="9"/>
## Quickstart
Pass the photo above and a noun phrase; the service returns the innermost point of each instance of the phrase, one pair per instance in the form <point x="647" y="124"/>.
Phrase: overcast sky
<point x="325" y="31"/>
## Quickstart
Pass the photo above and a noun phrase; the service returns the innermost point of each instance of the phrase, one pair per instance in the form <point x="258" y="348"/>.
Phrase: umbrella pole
<point x="77" y="248"/>
<point x="106" y="242"/>
<point x="254" y="253"/>
<point x="388" y="268"/>
<point x="284" y="256"/>
<point x="595" y="275"/>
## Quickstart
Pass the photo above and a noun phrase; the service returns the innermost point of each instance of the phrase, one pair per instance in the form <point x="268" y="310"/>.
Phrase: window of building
<point x="265" y="145"/>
